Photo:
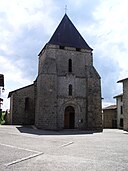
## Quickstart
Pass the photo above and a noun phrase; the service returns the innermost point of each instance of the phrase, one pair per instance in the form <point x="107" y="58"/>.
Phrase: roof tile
<point x="66" y="34"/>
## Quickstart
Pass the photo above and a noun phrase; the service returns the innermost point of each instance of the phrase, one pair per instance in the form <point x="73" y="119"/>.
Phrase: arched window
<point x="26" y="103"/>
<point x="69" y="65"/>
<point x="70" y="90"/>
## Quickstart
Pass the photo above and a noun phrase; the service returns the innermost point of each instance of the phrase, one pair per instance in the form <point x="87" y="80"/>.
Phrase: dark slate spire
<point x="67" y="35"/>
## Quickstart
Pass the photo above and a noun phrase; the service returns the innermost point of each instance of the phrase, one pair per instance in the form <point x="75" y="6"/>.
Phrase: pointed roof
<point x="66" y="34"/>
<point x="111" y="107"/>
<point x="122" y="80"/>
<point x="120" y="95"/>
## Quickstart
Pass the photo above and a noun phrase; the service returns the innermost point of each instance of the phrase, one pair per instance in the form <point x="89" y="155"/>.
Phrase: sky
<point x="27" y="25"/>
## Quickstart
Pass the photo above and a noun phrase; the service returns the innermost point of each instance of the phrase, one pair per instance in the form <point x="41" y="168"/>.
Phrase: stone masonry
<point x="52" y="89"/>
<point x="125" y="103"/>
<point x="22" y="105"/>
<point x="67" y="91"/>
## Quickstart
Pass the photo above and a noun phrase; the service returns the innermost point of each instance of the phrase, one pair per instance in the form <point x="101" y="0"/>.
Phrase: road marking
<point x="23" y="159"/>
<point x="38" y="153"/>
<point x="20" y="148"/>
<point x="69" y="143"/>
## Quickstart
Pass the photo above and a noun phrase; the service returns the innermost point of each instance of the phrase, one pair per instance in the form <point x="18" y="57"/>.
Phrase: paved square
<point x="23" y="148"/>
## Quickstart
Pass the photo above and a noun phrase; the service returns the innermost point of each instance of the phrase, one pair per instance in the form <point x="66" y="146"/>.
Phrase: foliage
<point x="2" y="121"/>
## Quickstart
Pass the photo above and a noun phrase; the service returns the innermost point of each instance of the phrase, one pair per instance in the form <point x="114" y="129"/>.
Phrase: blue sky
<point x="27" y="25"/>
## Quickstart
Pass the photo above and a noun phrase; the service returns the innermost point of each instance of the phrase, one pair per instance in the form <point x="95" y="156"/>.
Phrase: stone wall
<point x="22" y="106"/>
<point x="53" y="89"/>
<point x="120" y="115"/>
<point x="109" y="117"/>
<point x="94" y="114"/>
<point x="125" y="103"/>
<point x="46" y="101"/>
<point x="80" y="111"/>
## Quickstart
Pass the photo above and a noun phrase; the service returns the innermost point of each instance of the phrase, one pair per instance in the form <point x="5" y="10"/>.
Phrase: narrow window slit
<point x="61" y="47"/>
<point x="78" y="49"/>
<point x="70" y="90"/>
<point x="70" y="65"/>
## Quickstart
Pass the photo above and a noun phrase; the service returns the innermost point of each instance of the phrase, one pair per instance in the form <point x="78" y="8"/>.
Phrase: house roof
<point x="66" y="34"/>
<point x="10" y="93"/>
<point x="111" y="107"/>
<point x="120" y="95"/>
<point x="122" y="80"/>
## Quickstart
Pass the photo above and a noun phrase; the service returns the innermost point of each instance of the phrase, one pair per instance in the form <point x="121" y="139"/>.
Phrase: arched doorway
<point x="69" y="117"/>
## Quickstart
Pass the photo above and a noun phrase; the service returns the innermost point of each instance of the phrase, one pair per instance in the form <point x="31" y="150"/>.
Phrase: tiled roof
<point x="10" y="93"/>
<point x="120" y="95"/>
<point x="66" y="34"/>
<point x="110" y="107"/>
<point x="122" y="80"/>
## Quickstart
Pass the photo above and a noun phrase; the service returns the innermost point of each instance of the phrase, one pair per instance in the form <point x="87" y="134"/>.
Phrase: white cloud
<point x="16" y="18"/>
<point x="77" y="4"/>
<point x="111" y="30"/>
<point x="13" y="77"/>
<point x="12" y="71"/>
<point x="111" y="35"/>
<point x="26" y="25"/>
<point x="108" y="36"/>
<point x="30" y="12"/>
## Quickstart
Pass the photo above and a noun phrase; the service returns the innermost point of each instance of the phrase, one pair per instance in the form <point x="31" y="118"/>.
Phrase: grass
<point x="2" y="121"/>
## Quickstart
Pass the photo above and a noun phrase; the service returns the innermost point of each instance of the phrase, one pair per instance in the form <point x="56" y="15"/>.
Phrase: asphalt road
<point x="23" y="148"/>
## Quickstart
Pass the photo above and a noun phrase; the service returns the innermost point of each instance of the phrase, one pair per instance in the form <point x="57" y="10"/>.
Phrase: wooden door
<point x="69" y="118"/>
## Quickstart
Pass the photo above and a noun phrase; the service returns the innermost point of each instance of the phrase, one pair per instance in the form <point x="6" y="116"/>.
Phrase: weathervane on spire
<point x="65" y="9"/>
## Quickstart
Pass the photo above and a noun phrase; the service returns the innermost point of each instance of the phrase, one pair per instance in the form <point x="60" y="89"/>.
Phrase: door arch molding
<point x="61" y="112"/>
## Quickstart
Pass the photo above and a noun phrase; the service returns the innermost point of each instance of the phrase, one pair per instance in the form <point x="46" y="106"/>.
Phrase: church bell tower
<point x="68" y="90"/>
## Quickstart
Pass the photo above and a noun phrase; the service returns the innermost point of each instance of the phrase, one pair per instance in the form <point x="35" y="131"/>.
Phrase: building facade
<point x="67" y="91"/>
<point x="22" y="105"/>
<point x="125" y="103"/>
<point x="120" y="116"/>
<point x="110" y="117"/>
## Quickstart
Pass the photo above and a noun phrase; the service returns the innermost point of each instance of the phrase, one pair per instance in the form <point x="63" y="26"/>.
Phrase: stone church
<point x="67" y="91"/>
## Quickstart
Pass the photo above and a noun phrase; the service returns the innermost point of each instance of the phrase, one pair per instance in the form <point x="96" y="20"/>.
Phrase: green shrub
<point x="2" y="114"/>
